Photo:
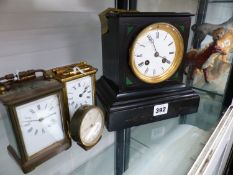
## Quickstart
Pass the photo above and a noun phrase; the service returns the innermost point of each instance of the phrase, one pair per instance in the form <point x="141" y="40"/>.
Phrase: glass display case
<point x="47" y="34"/>
<point x="67" y="31"/>
<point x="174" y="145"/>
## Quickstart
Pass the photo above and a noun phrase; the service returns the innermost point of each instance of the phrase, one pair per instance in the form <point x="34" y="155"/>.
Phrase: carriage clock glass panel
<point x="40" y="120"/>
<point x="156" y="52"/>
<point x="91" y="127"/>
<point x="79" y="92"/>
<point x="79" y="82"/>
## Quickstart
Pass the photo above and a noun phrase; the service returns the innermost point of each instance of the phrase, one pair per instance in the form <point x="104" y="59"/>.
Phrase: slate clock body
<point x="128" y="99"/>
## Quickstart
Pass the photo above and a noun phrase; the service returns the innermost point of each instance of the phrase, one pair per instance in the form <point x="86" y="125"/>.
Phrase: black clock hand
<point x="31" y="121"/>
<point x="165" y="60"/>
<point x="40" y="119"/>
<point x="85" y="89"/>
<point x="152" y="42"/>
<point x="49" y="115"/>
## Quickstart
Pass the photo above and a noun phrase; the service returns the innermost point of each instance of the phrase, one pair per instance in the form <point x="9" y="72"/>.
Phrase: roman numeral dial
<point x="79" y="92"/>
<point x="41" y="123"/>
<point x="156" y="52"/>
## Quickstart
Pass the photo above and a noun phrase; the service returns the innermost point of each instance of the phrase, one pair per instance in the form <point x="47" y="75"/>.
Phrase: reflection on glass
<point x="165" y="147"/>
<point x="217" y="67"/>
<point x="102" y="164"/>
<point x="171" y="146"/>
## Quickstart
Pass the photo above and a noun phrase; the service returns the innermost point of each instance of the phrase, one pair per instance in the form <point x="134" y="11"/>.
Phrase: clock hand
<point x="40" y="119"/>
<point x="85" y="89"/>
<point x="152" y="42"/>
<point x="165" y="60"/>
<point x="90" y="126"/>
<point x="91" y="132"/>
<point x="49" y="115"/>
<point x="31" y="121"/>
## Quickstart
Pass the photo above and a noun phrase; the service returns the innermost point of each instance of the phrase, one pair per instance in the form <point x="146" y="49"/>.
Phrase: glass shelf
<point x="208" y="113"/>
<point x="220" y="1"/>
<point x="207" y="91"/>
<point x="170" y="145"/>
<point x="218" y="84"/>
<point x="67" y="162"/>
<point x="167" y="147"/>
<point x="102" y="164"/>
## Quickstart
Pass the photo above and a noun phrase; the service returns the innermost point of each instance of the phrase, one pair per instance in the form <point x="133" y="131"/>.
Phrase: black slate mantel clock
<point x="143" y="68"/>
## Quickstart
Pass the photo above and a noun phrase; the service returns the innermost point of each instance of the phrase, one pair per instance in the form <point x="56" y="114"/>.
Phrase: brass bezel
<point x="178" y="55"/>
<point x="78" y="117"/>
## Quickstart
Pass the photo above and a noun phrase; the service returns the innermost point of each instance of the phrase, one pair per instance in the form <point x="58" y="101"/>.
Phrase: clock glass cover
<point x="156" y="52"/>
<point x="41" y="124"/>
<point x="79" y="92"/>
<point x="91" y="127"/>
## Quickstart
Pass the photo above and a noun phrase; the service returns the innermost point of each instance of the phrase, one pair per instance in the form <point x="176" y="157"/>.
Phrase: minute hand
<point x="49" y="115"/>
<point x="152" y="41"/>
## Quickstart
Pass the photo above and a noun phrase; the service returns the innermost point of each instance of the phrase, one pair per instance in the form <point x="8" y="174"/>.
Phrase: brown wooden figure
<point x="196" y="58"/>
<point x="222" y="45"/>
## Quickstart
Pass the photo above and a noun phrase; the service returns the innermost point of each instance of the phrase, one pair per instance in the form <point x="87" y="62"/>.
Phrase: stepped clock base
<point x="136" y="107"/>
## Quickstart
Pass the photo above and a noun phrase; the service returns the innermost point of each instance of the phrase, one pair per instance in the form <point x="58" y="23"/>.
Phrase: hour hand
<point x="85" y="89"/>
<point x="165" y="60"/>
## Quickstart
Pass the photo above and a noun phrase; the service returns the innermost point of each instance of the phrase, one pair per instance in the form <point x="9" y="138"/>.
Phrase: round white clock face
<point x="41" y="123"/>
<point x="79" y="92"/>
<point x="91" y="127"/>
<point x="156" y="52"/>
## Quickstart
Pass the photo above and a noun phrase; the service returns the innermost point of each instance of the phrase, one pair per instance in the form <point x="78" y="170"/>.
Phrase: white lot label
<point x="160" y="109"/>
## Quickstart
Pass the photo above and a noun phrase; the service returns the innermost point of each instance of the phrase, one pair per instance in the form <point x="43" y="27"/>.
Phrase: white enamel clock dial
<point x="41" y="123"/>
<point x="91" y="127"/>
<point x="79" y="92"/>
<point x="156" y="52"/>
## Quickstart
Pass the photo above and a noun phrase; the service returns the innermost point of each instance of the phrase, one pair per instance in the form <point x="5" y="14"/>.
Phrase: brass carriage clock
<point x="86" y="126"/>
<point x="143" y="67"/>
<point x="79" y="83"/>
<point x="36" y="122"/>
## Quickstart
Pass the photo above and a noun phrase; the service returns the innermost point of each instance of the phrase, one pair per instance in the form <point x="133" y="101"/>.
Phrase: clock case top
<point x="66" y="73"/>
<point x="21" y="93"/>
<point x="24" y="92"/>
<point x="123" y="27"/>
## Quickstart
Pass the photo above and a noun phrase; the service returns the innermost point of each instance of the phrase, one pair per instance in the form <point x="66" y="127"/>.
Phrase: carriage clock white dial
<point x="79" y="82"/>
<point x="40" y="123"/>
<point x="156" y="52"/>
<point x="87" y="126"/>
<point x="79" y="92"/>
